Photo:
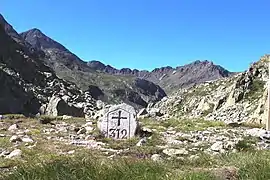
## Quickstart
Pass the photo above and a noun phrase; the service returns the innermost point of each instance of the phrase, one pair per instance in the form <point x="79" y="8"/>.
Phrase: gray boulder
<point x="58" y="107"/>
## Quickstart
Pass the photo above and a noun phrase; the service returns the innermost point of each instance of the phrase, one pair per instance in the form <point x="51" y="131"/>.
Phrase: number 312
<point x="117" y="132"/>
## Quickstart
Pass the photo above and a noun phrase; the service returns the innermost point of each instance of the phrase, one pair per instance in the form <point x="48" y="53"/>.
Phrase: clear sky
<point x="145" y="34"/>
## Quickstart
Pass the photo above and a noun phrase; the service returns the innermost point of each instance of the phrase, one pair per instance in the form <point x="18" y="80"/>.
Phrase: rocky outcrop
<point x="58" y="107"/>
<point x="27" y="83"/>
<point x="239" y="98"/>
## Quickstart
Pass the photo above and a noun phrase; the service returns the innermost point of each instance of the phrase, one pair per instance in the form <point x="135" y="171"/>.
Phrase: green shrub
<point x="246" y="144"/>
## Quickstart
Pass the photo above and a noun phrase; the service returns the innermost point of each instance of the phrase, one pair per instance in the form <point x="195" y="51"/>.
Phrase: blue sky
<point x="145" y="34"/>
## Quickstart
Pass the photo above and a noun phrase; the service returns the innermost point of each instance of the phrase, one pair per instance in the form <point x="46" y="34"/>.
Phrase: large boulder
<point x="58" y="107"/>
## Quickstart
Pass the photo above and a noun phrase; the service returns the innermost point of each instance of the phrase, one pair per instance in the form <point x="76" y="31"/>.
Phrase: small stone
<point x="173" y="152"/>
<point x="14" y="154"/>
<point x="100" y="104"/>
<point x="88" y="129"/>
<point x="194" y="157"/>
<point x="88" y="124"/>
<point x="81" y="131"/>
<point x="256" y="132"/>
<point x="217" y="146"/>
<point x="146" y="132"/>
<point x="234" y="124"/>
<point x="142" y="112"/>
<point x="15" y="139"/>
<point x="13" y="128"/>
<point x="27" y="140"/>
<point x="71" y="152"/>
<point x="66" y="117"/>
<point x="141" y="142"/>
<point x="156" y="157"/>
<point x="171" y="132"/>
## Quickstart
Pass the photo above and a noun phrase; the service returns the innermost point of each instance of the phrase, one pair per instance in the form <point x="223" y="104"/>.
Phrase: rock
<point x="257" y="132"/>
<point x="88" y="124"/>
<point x="4" y="153"/>
<point x="99" y="114"/>
<point x="145" y="132"/>
<point x="175" y="152"/>
<point x="13" y="128"/>
<point x="100" y="105"/>
<point x="142" y="112"/>
<point x="15" y="138"/>
<point x="1" y="117"/>
<point x="65" y="117"/>
<point x="194" y="157"/>
<point x="58" y="107"/>
<point x="81" y="131"/>
<point x="88" y="129"/>
<point x="217" y="146"/>
<point x="45" y="120"/>
<point x="27" y="140"/>
<point x="119" y="122"/>
<point x="14" y="154"/>
<point x="156" y="158"/>
<point x="154" y="112"/>
<point x="234" y="124"/>
<point x="141" y="142"/>
<point x="71" y="152"/>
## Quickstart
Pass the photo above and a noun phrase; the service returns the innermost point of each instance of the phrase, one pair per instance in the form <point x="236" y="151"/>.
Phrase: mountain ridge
<point x="106" y="87"/>
<point x="168" y="77"/>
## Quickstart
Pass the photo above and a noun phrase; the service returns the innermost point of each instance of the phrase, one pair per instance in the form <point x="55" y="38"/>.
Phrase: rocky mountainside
<point x="30" y="87"/>
<point x="239" y="98"/>
<point x="107" y="87"/>
<point x="169" y="78"/>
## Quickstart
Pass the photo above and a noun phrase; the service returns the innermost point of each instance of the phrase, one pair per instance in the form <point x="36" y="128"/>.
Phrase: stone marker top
<point x="123" y="106"/>
<point x="119" y="122"/>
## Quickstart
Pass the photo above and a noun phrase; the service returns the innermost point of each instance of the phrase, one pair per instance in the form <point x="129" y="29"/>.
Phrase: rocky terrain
<point x="180" y="145"/>
<point x="240" y="98"/>
<point x="29" y="87"/>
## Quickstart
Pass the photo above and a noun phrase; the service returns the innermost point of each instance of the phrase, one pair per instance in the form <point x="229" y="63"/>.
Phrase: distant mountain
<point x="104" y="86"/>
<point x="171" y="78"/>
<point x="115" y="85"/>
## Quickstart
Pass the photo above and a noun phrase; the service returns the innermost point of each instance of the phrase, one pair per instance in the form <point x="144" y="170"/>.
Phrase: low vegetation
<point x="182" y="124"/>
<point x="249" y="165"/>
<point x="49" y="159"/>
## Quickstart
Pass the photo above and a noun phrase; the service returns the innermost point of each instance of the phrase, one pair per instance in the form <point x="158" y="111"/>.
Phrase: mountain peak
<point x="96" y="65"/>
<point x="41" y="41"/>
<point x="36" y="31"/>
